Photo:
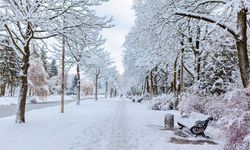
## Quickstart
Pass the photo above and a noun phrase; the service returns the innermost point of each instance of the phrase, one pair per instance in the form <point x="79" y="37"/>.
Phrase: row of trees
<point x="46" y="73"/>
<point x="196" y="52"/>
<point x="28" y="23"/>
<point x="176" y="45"/>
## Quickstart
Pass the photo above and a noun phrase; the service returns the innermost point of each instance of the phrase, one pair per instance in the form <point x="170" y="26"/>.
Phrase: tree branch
<point x="207" y="19"/>
<point x="13" y="39"/>
<point x="209" y="1"/>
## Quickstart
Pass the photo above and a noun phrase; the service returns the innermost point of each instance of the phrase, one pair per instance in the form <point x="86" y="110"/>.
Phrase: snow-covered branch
<point x="209" y="19"/>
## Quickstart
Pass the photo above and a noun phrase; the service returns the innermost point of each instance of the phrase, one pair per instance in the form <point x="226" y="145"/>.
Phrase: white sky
<point x="123" y="19"/>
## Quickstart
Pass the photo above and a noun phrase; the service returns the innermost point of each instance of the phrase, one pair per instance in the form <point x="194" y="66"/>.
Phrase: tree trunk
<point x="241" y="44"/>
<point x="147" y="82"/>
<point x="96" y="87"/>
<point x="78" y="84"/>
<point x="155" y="85"/>
<point x="151" y="84"/>
<point x="181" y="71"/>
<point x="198" y="54"/>
<point x="63" y="77"/>
<point x="13" y="89"/>
<point x="3" y="87"/>
<point x="106" y="89"/>
<point x="147" y="85"/>
<point x="175" y="85"/>
<point x="181" y="88"/>
<point x="166" y="79"/>
<point x="20" y="116"/>
<point x="180" y="76"/>
<point x="111" y="92"/>
<point x="179" y="80"/>
<point x="175" y="76"/>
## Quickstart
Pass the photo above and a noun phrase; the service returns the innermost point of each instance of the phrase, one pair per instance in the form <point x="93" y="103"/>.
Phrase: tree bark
<point x="12" y="91"/>
<point x="241" y="44"/>
<point x="179" y="80"/>
<point x="151" y="84"/>
<point x="198" y="54"/>
<point x="111" y="93"/>
<point x="63" y="76"/>
<point x="175" y="75"/>
<point x="96" y="88"/>
<point x="106" y="89"/>
<point x="175" y="83"/>
<point x="3" y="88"/>
<point x="166" y="79"/>
<point x="147" y="85"/>
<point x="78" y="84"/>
<point x="96" y="84"/>
<point x="20" y="117"/>
<point x="155" y="87"/>
<point x="181" y="88"/>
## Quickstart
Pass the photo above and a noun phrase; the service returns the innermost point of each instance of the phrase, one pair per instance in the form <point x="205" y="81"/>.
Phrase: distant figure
<point x="121" y="95"/>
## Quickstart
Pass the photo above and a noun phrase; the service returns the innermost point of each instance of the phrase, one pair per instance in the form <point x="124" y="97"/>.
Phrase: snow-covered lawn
<point x="111" y="124"/>
<point x="7" y="100"/>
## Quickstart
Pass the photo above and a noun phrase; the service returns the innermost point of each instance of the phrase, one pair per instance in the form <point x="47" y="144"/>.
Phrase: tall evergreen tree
<point x="73" y="85"/>
<point x="8" y="70"/>
<point x="52" y="70"/>
<point x="44" y="58"/>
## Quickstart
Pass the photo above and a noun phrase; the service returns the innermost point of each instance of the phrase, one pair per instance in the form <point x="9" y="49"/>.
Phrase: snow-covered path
<point x="111" y="124"/>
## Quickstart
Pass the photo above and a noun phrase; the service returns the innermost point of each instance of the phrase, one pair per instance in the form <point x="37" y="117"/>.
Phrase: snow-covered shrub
<point x="213" y="108"/>
<point x="192" y="103"/>
<point x="147" y="96"/>
<point x="33" y="99"/>
<point x="137" y="98"/>
<point x="87" y="87"/>
<point x="236" y="133"/>
<point x="231" y="112"/>
<point x="37" y="78"/>
<point x="163" y="102"/>
<point x="232" y="104"/>
<point x="54" y="86"/>
<point x="235" y="119"/>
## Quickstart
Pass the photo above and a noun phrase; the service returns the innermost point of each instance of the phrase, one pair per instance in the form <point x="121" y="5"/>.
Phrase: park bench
<point x="187" y="126"/>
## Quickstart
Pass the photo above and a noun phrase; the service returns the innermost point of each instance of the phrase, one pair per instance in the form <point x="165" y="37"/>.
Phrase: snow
<point x="188" y="121"/>
<point x="111" y="124"/>
<point x="210" y="19"/>
<point x="8" y="100"/>
<point x="247" y="138"/>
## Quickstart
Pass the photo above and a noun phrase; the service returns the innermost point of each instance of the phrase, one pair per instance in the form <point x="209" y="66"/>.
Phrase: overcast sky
<point x="123" y="17"/>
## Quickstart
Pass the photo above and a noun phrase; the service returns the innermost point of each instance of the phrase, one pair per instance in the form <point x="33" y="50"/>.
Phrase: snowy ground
<point x="7" y="100"/>
<point x="9" y="110"/>
<point x="111" y="124"/>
